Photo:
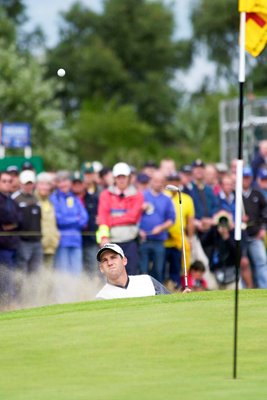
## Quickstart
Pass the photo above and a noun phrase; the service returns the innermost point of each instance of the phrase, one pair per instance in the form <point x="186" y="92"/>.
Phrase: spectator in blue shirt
<point x="205" y="202"/>
<point x="71" y="219"/>
<point x="158" y="215"/>
<point x="226" y="195"/>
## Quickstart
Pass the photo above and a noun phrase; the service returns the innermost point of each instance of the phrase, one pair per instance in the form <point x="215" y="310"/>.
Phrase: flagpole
<point x="239" y="180"/>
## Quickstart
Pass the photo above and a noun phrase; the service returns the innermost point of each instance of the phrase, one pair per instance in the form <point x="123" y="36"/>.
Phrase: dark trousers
<point x="30" y="256"/>
<point x="131" y="252"/>
<point x="152" y="252"/>
<point x="7" y="286"/>
<point x="173" y="259"/>
<point x="8" y="258"/>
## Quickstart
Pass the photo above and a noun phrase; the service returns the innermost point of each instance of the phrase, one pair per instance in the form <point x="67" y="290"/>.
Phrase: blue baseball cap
<point x="247" y="172"/>
<point x="262" y="174"/>
<point x="142" y="178"/>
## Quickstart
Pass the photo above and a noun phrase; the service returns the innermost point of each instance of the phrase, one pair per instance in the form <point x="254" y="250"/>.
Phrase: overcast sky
<point x="45" y="13"/>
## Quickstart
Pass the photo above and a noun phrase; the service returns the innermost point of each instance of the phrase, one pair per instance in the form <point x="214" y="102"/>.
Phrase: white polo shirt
<point x="137" y="286"/>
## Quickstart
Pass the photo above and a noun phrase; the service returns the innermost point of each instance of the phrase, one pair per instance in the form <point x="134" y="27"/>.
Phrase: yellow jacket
<point x="175" y="233"/>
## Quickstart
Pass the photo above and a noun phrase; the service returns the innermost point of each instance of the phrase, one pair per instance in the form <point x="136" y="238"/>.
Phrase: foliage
<point x="127" y="52"/>
<point x="119" y="95"/>
<point x="26" y="97"/>
<point x="215" y="24"/>
<point x="197" y="126"/>
<point x="258" y="75"/>
<point x="7" y="28"/>
<point x="216" y="29"/>
<point x="15" y="10"/>
<point x="110" y="132"/>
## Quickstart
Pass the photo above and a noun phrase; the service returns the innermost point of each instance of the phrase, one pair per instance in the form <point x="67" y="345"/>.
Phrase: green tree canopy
<point x="26" y="97"/>
<point x="109" y="132"/>
<point x="25" y="94"/>
<point x="216" y="29"/>
<point x="215" y="25"/>
<point x="128" y="52"/>
<point x="15" y="10"/>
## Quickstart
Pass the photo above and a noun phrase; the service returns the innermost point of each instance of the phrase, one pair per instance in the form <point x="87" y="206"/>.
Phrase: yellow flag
<point x="256" y="24"/>
<point x="255" y="6"/>
<point x="256" y="33"/>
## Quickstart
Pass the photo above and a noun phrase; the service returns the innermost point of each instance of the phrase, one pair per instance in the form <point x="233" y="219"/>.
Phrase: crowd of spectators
<point x="58" y="220"/>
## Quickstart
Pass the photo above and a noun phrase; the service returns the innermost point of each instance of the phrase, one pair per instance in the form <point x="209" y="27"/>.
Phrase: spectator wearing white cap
<point x="30" y="252"/>
<point x="119" y="213"/>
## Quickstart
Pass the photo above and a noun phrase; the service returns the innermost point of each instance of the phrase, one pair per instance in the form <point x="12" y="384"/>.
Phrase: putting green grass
<point x="165" y="347"/>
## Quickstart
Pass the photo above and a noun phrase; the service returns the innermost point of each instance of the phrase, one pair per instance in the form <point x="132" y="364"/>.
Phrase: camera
<point x="223" y="219"/>
<point x="224" y="222"/>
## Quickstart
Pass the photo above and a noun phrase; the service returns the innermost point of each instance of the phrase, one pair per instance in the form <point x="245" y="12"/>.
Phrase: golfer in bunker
<point x="112" y="263"/>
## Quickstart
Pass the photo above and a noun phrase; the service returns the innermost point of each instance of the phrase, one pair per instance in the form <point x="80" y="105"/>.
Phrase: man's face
<point x="28" y="187"/>
<point x="157" y="182"/>
<point x="5" y="183"/>
<point x="64" y="185"/>
<point x="186" y="177"/>
<point x="88" y="178"/>
<point x="112" y="265"/>
<point x="77" y="188"/>
<point x="210" y="175"/>
<point x="197" y="275"/>
<point x="122" y="182"/>
<point x="263" y="148"/>
<point x="107" y="179"/>
<point x="247" y="180"/>
<point x="262" y="183"/>
<point x="167" y="167"/>
<point x="15" y="185"/>
<point x="227" y="185"/>
<point x="43" y="188"/>
<point x="198" y="173"/>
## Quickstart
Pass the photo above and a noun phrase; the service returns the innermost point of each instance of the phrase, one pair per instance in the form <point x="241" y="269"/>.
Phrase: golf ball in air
<point x="61" y="72"/>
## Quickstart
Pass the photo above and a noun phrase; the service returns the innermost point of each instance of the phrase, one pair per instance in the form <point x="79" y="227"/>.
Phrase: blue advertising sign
<point x="15" y="135"/>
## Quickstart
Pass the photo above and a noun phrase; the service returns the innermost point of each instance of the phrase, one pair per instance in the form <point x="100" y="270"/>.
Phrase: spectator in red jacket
<point x="119" y="212"/>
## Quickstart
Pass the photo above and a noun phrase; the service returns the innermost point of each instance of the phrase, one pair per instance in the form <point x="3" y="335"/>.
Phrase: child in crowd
<point x="196" y="281"/>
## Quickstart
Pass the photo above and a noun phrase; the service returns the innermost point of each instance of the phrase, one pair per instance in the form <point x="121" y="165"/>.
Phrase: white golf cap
<point x="27" y="176"/>
<point x="44" y="177"/>
<point x="110" y="246"/>
<point x="221" y="167"/>
<point x="121" y="168"/>
<point x="97" y="165"/>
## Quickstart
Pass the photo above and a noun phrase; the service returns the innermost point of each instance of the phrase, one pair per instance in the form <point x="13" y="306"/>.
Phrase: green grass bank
<point x="165" y="347"/>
